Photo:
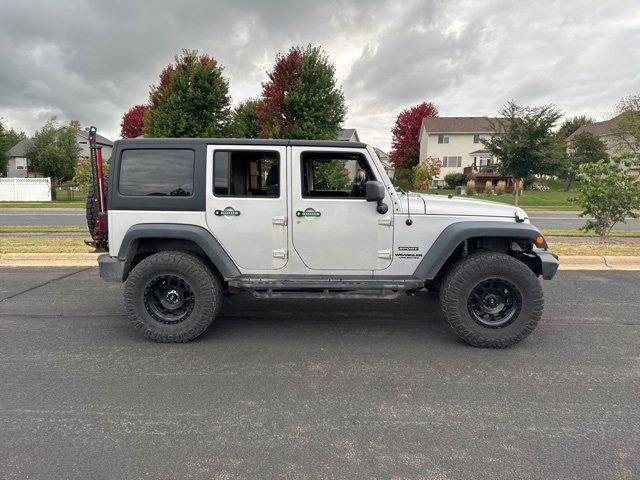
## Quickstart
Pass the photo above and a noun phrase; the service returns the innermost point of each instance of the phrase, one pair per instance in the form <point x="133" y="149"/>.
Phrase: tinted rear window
<point x="157" y="172"/>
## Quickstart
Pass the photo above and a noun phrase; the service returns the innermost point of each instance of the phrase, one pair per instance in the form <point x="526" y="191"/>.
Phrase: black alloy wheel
<point x="494" y="303"/>
<point x="169" y="298"/>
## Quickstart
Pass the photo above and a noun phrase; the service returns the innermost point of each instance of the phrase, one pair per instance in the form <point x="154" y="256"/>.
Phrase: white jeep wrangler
<point x="192" y="219"/>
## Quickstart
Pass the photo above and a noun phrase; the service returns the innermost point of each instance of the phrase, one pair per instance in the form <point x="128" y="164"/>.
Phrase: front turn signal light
<point x="539" y="240"/>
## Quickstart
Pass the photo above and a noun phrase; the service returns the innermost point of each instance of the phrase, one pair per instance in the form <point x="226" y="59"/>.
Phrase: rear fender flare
<point x="198" y="235"/>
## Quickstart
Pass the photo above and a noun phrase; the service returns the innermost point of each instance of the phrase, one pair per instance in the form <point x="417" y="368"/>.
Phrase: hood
<point x="443" y="205"/>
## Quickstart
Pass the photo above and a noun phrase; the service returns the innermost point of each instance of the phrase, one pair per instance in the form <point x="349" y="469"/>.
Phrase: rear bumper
<point x="548" y="263"/>
<point x="111" y="268"/>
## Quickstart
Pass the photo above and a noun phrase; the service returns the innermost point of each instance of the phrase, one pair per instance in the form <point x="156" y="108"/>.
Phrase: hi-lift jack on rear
<point x="97" y="201"/>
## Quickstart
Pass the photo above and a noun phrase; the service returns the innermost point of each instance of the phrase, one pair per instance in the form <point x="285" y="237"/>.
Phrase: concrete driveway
<point x="311" y="389"/>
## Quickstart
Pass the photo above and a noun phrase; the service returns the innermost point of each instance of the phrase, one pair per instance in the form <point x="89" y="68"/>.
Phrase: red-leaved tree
<point x="405" y="145"/>
<point x="132" y="121"/>
<point x="301" y="98"/>
<point x="271" y="110"/>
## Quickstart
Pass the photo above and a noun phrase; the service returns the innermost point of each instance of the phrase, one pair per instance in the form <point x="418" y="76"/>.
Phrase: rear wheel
<point x="491" y="300"/>
<point x="172" y="297"/>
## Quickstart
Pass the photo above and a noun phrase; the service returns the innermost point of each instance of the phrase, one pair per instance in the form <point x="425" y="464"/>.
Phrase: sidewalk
<point x="578" y="262"/>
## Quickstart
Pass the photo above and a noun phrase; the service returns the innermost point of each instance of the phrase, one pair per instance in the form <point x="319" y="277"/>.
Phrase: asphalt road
<point x="557" y="221"/>
<point x="42" y="216"/>
<point x="311" y="389"/>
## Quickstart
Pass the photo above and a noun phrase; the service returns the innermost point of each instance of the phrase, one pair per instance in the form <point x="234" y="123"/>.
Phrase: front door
<point x="333" y="226"/>
<point x="247" y="203"/>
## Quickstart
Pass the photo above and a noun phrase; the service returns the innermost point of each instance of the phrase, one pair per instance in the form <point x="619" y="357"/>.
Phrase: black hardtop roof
<point x="158" y="142"/>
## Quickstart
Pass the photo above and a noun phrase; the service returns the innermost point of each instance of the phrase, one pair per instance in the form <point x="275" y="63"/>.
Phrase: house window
<point x="157" y="172"/>
<point x="21" y="163"/>
<point x="478" y="137"/>
<point x="246" y="173"/>
<point x="443" y="138"/>
<point x="452" y="161"/>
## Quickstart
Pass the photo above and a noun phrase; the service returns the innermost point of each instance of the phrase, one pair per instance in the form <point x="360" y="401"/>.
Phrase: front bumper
<point x="548" y="262"/>
<point x="111" y="268"/>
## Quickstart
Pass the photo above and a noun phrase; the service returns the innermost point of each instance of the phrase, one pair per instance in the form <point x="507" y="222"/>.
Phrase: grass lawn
<point x="566" y="248"/>
<point x="53" y="204"/>
<point x="76" y="245"/>
<point x="580" y="233"/>
<point x="44" y="245"/>
<point x="43" y="229"/>
<point x="531" y="200"/>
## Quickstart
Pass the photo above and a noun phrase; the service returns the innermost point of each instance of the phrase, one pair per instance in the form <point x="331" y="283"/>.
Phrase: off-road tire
<point x="472" y="271"/>
<point x="205" y="286"/>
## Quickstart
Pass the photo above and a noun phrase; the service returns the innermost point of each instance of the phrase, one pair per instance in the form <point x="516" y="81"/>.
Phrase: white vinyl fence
<point x="25" y="189"/>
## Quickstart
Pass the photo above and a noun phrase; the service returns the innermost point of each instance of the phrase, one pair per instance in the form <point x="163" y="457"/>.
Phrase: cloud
<point x="93" y="60"/>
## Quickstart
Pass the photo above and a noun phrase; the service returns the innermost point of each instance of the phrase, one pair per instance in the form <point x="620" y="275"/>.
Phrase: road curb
<point x="576" y="262"/>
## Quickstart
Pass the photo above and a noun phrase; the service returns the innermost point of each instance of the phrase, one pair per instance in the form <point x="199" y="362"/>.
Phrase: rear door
<point x="247" y="204"/>
<point x="333" y="226"/>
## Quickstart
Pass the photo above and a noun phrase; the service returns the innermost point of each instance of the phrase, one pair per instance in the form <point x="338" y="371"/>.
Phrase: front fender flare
<point x="456" y="233"/>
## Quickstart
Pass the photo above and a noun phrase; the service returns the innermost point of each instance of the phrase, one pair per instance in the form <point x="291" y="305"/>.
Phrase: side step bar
<point x="267" y="288"/>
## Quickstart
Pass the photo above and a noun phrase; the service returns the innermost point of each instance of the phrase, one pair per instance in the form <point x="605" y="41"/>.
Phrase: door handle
<point x="279" y="221"/>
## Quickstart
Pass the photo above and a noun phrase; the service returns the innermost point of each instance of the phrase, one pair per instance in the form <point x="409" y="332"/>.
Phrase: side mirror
<point x="374" y="192"/>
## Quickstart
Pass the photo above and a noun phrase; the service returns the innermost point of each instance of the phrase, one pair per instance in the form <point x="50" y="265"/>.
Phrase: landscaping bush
<point x="455" y="179"/>
<point x="424" y="172"/>
<point x="488" y="186"/>
<point x="471" y="187"/>
<point x="501" y="187"/>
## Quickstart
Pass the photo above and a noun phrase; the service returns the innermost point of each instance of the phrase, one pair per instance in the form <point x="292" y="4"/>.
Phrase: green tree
<point x="570" y="125"/>
<point x="608" y="194"/>
<point x="244" y="120"/>
<point x="301" y="99"/>
<point x="191" y="100"/>
<point x="8" y="138"/>
<point x="626" y="125"/>
<point x="523" y="142"/>
<point x="83" y="174"/>
<point x="55" y="151"/>
<point x="583" y="148"/>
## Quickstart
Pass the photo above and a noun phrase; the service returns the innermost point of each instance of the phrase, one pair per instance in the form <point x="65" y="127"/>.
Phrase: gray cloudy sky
<point x="92" y="60"/>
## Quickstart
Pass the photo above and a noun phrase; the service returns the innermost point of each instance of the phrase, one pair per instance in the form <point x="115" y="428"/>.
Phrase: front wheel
<point x="172" y="297"/>
<point x="491" y="300"/>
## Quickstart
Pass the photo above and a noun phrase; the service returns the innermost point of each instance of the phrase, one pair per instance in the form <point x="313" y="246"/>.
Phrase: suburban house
<point x="605" y="131"/>
<point x="19" y="167"/>
<point x="348" y="135"/>
<point x="351" y="135"/>
<point x="457" y="143"/>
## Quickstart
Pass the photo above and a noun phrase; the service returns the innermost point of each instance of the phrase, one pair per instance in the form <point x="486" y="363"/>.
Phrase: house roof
<point x="384" y="157"/>
<point x="346" y="133"/>
<point x="598" y="129"/>
<point x="458" y="124"/>
<point x="20" y="148"/>
<point x="100" y="140"/>
<point x="480" y="152"/>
